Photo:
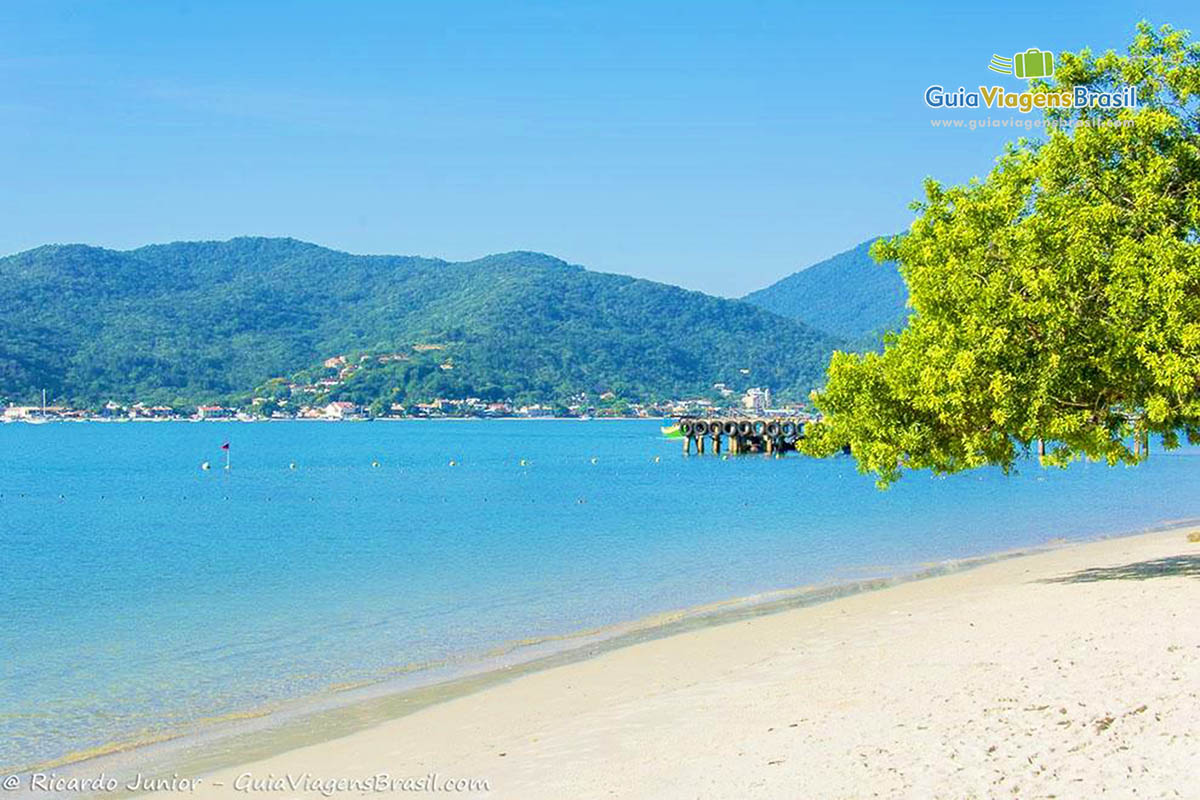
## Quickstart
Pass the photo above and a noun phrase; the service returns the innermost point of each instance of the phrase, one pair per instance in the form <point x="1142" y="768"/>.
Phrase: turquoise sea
<point x="140" y="595"/>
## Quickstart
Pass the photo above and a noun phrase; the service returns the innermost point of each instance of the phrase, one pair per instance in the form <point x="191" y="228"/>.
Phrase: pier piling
<point x="773" y="435"/>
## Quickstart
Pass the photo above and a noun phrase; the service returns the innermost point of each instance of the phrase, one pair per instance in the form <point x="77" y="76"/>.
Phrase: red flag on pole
<point x="225" y="446"/>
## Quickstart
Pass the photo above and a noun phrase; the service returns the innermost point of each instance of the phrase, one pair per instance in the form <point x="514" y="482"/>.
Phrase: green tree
<point x="266" y="408"/>
<point x="1058" y="300"/>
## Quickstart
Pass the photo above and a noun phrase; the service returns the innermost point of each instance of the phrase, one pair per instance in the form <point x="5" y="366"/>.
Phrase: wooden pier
<point x="741" y="434"/>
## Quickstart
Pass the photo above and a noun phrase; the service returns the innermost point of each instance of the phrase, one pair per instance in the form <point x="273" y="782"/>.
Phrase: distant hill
<point x="849" y="296"/>
<point x="201" y="321"/>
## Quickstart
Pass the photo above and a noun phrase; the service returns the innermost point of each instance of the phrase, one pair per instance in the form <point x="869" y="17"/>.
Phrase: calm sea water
<point x="139" y="593"/>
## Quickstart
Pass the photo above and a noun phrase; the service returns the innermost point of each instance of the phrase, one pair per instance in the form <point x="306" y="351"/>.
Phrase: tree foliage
<point x="1058" y="300"/>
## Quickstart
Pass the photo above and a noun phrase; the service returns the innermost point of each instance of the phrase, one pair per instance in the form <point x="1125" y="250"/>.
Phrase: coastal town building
<point x="342" y="409"/>
<point x="278" y="399"/>
<point x="756" y="400"/>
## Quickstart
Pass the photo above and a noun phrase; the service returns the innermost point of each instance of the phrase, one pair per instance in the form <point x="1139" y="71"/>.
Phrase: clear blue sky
<point x="716" y="146"/>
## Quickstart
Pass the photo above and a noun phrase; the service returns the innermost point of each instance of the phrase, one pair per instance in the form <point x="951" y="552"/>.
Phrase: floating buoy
<point x="595" y="460"/>
<point x="524" y="463"/>
<point x="453" y="463"/>
<point x="374" y="463"/>
<point x="292" y="465"/>
<point x="657" y="459"/>
<point x="205" y="465"/>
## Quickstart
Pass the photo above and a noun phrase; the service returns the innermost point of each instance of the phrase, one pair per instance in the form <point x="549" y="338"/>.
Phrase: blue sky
<point x="716" y="146"/>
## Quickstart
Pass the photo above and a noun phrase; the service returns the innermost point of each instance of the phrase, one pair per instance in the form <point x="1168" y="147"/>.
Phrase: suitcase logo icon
<point x="1033" y="63"/>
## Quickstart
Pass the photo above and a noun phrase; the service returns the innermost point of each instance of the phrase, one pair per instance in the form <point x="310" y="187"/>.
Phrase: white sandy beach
<point x="1067" y="673"/>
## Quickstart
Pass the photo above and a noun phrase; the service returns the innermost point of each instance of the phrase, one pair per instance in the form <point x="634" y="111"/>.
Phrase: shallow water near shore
<point x="142" y="596"/>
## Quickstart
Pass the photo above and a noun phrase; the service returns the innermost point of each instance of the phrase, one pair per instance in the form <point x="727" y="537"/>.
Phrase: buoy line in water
<point x="376" y="463"/>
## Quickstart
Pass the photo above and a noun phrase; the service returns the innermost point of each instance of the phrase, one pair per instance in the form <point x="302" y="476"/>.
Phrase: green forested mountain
<point x="192" y="321"/>
<point x="849" y="296"/>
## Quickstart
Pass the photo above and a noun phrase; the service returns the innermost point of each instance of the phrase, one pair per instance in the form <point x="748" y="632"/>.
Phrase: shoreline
<point x="1066" y="672"/>
<point x="339" y="712"/>
<point x="447" y="418"/>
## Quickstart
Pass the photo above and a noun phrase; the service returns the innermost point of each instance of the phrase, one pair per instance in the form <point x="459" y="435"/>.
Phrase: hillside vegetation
<point x="204" y="321"/>
<point x="849" y="296"/>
